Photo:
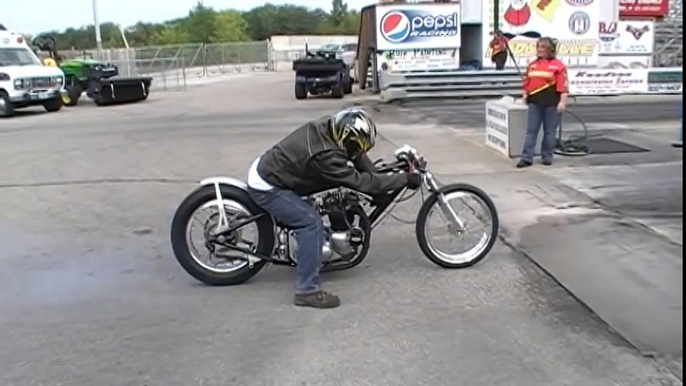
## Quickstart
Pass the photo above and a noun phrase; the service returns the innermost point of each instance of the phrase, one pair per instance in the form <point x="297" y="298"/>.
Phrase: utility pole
<point x="96" y="23"/>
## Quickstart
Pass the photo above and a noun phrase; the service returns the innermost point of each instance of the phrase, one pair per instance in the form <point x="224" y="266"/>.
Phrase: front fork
<point x="454" y="220"/>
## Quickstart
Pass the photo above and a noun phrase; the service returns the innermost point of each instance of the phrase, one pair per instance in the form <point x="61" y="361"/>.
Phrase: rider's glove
<point x="414" y="181"/>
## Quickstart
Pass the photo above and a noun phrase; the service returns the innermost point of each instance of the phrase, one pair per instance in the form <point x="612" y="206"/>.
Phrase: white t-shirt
<point x="255" y="181"/>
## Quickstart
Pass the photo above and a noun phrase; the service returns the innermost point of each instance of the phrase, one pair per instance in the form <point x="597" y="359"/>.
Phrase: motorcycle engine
<point x="341" y="237"/>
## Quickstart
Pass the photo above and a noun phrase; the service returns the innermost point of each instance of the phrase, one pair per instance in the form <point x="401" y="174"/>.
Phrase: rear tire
<point x="99" y="101"/>
<point x="422" y="218"/>
<point x="337" y="90"/>
<point x="300" y="91"/>
<point x="195" y="200"/>
<point x="53" y="105"/>
<point x="6" y="107"/>
<point x="348" y="88"/>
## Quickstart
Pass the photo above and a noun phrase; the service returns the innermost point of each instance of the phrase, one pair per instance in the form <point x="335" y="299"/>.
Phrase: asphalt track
<point x="91" y="295"/>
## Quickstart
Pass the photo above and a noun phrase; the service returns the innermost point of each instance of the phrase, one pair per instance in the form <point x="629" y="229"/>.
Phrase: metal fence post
<point x="164" y="74"/>
<point x="204" y="60"/>
<point x="183" y="72"/>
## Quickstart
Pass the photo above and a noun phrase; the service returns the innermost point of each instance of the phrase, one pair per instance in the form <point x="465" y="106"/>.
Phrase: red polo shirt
<point x="545" y="81"/>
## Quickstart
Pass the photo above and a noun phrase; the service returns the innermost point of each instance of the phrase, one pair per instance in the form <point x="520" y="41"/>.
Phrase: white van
<point x="24" y="81"/>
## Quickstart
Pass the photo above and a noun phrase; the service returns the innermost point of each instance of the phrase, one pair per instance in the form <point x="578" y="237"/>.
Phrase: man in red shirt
<point x="498" y="47"/>
<point x="545" y="92"/>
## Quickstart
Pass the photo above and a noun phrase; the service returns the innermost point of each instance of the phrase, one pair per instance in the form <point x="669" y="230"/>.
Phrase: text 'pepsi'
<point x="441" y="25"/>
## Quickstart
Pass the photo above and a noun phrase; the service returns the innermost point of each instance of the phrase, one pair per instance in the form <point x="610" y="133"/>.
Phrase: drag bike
<point x="233" y="256"/>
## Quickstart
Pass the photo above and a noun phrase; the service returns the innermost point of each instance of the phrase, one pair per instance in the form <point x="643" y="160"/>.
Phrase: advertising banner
<point x="408" y="27"/>
<point x="572" y="22"/>
<point x="643" y="8"/>
<point x="607" y="82"/>
<point x="626" y="37"/>
<point x="667" y="81"/>
<point x="420" y="60"/>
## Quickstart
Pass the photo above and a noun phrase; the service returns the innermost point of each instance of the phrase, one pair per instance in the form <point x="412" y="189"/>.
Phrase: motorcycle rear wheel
<point x="474" y="255"/>
<point x="205" y="196"/>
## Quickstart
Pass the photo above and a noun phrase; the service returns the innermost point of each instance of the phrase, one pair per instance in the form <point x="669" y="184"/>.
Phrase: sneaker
<point x="523" y="164"/>
<point x="547" y="162"/>
<point x="319" y="299"/>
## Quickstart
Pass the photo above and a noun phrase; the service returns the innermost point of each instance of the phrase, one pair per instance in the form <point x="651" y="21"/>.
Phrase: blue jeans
<point x="301" y="217"/>
<point x="550" y="119"/>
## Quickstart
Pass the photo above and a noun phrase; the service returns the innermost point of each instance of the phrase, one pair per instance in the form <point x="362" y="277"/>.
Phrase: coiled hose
<point x="574" y="146"/>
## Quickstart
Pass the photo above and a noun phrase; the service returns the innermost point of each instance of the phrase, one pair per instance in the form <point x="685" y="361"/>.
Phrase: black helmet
<point x="353" y="130"/>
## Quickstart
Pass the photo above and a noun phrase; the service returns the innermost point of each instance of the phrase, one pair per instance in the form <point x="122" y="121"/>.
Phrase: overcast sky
<point x="33" y="16"/>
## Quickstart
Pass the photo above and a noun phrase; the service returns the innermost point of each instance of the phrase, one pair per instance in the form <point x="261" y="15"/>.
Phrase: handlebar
<point x="407" y="159"/>
<point x="397" y="165"/>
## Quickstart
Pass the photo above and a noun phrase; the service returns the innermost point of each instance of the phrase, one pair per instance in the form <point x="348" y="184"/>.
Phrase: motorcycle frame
<point x="223" y="227"/>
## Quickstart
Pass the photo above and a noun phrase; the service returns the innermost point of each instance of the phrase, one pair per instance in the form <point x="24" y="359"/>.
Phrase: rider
<point x="313" y="158"/>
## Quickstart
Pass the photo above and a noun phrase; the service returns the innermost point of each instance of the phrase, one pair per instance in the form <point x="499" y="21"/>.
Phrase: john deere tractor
<point x="98" y="79"/>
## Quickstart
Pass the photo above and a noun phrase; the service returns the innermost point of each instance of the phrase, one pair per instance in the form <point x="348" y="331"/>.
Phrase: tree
<point x="201" y="24"/>
<point x="231" y="27"/>
<point x="144" y="34"/>
<point x="171" y="34"/>
<point x="339" y="12"/>
<point x="205" y="25"/>
<point x="261" y="21"/>
<point x="269" y="20"/>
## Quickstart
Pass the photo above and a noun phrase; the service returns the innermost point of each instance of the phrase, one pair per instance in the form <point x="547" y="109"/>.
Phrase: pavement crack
<point x="102" y="181"/>
<point x="606" y="186"/>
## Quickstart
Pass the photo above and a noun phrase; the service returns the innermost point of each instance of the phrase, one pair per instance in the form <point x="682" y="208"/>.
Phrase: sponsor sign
<point x="420" y="60"/>
<point x="643" y="8"/>
<point x="665" y="81"/>
<point x="579" y="23"/>
<point x="497" y="128"/>
<point x="418" y="27"/>
<point x="626" y="37"/>
<point x="571" y="22"/>
<point x="607" y="81"/>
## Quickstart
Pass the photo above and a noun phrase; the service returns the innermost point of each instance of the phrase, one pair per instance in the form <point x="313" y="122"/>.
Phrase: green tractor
<point x="98" y="79"/>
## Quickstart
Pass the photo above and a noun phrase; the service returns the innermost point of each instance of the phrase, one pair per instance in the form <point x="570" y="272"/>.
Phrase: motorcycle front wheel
<point x="210" y="263"/>
<point x="477" y="216"/>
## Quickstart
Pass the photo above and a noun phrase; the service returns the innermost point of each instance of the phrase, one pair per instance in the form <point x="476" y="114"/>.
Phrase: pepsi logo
<point x="579" y="3"/>
<point x="395" y="27"/>
<point x="407" y="26"/>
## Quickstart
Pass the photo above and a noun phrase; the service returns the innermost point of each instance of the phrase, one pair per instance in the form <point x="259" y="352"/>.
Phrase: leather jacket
<point x="308" y="161"/>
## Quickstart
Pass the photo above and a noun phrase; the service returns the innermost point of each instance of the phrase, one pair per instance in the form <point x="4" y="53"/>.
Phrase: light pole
<point x="98" y="38"/>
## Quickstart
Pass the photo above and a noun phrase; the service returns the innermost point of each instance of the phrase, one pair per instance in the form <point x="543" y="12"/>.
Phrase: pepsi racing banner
<point x="407" y="27"/>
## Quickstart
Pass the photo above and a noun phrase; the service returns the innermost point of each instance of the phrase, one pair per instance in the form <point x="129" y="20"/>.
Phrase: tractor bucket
<point x="122" y="90"/>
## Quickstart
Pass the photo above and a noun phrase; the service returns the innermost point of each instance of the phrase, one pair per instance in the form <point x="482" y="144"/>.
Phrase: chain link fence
<point x="223" y="57"/>
<point x="169" y="74"/>
<point x="172" y="66"/>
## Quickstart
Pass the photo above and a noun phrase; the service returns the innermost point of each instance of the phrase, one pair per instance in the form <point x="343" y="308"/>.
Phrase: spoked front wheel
<point x="457" y="226"/>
